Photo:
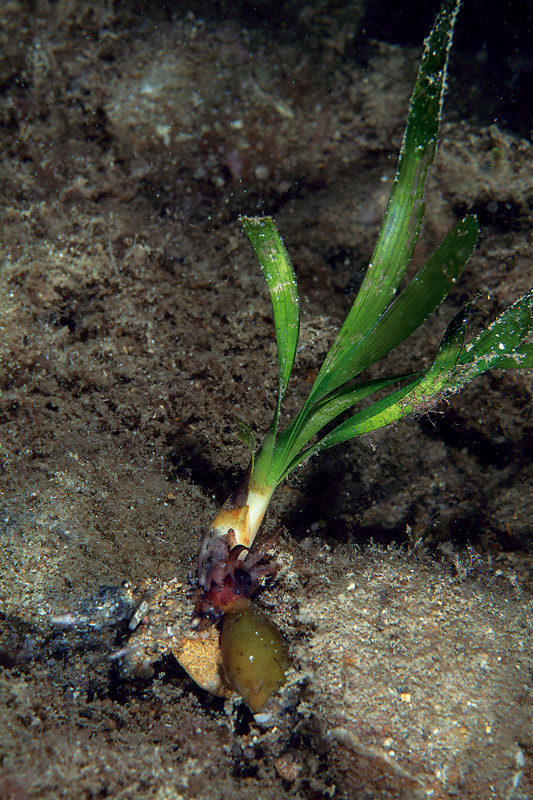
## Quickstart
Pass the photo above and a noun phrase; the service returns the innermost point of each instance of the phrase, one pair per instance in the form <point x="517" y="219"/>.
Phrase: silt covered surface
<point x="135" y="327"/>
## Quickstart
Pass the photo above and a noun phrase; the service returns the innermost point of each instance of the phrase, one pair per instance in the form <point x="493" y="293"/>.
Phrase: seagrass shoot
<point x="382" y="316"/>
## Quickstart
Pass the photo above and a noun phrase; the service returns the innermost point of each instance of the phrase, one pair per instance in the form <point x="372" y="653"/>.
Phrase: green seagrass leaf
<point x="378" y="320"/>
<point x="324" y="412"/>
<point x="405" y="210"/>
<point x="278" y="273"/>
<point x="415" y="398"/>
<point x="517" y="359"/>
<point x="415" y="303"/>
<point x="501" y="344"/>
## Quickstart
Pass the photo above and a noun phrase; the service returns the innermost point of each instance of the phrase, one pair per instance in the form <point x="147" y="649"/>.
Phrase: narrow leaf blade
<point x="405" y="210"/>
<point x="517" y="359"/>
<point x="279" y="275"/>
<point x="502" y="336"/>
<point x="324" y="412"/>
<point x="415" y="398"/>
<point x="501" y="345"/>
<point x="413" y="305"/>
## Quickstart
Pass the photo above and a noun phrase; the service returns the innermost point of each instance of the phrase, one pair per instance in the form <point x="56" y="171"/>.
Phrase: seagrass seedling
<point x="381" y="317"/>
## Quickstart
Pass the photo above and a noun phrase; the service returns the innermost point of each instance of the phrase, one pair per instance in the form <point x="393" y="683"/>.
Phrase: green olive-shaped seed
<point x="253" y="654"/>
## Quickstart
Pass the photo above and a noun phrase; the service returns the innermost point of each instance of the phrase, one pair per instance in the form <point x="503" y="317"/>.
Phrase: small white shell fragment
<point x="137" y="617"/>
